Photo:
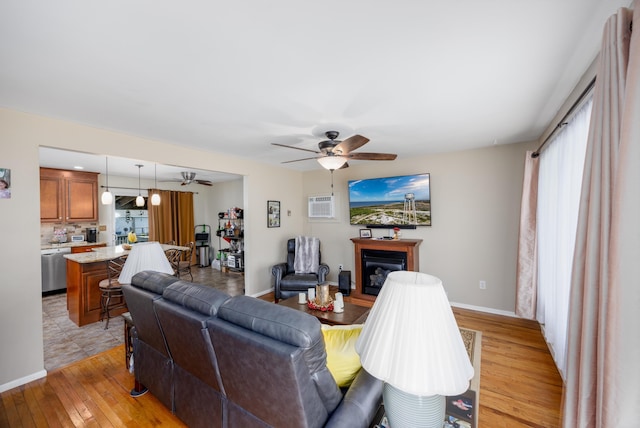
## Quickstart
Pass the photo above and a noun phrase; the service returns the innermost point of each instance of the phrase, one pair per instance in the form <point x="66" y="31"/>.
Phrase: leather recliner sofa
<point x="238" y="361"/>
<point x="288" y="283"/>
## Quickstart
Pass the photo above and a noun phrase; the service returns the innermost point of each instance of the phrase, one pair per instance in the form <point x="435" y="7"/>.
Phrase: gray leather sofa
<point x="238" y="361"/>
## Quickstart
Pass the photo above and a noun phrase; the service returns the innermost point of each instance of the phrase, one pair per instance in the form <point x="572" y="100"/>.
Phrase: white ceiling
<point x="415" y="77"/>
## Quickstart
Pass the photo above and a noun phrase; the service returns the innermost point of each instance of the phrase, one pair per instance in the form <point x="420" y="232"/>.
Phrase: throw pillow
<point x="342" y="360"/>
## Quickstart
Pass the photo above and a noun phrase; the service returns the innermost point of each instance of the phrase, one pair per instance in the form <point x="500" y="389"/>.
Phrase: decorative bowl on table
<point x="314" y="305"/>
<point x="126" y="246"/>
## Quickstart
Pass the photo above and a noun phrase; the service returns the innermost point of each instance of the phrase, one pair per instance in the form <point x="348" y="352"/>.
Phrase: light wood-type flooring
<point x="519" y="384"/>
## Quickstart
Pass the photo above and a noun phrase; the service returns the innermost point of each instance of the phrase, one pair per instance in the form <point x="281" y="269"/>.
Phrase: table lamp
<point x="412" y="342"/>
<point x="144" y="256"/>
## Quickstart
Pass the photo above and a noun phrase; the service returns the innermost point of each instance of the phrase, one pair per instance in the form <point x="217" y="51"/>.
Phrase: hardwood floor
<point x="519" y="384"/>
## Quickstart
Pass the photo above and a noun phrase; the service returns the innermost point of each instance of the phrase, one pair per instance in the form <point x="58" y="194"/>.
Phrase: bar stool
<point x="111" y="288"/>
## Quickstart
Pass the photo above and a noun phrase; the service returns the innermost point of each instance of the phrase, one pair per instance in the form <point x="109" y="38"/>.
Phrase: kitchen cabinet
<point x="68" y="196"/>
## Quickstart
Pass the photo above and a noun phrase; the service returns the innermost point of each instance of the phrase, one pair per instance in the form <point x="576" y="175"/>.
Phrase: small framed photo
<point x="273" y="213"/>
<point x="365" y="233"/>
<point x="5" y="183"/>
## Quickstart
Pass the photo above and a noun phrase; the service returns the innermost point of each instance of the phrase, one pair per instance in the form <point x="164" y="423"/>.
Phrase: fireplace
<point x="375" y="258"/>
<point x="376" y="265"/>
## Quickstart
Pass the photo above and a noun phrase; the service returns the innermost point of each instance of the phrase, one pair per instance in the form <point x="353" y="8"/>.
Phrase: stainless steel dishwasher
<point x="54" y="269"/>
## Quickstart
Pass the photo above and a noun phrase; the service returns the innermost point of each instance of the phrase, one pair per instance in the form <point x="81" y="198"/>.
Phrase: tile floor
<point x="65" y="342"/>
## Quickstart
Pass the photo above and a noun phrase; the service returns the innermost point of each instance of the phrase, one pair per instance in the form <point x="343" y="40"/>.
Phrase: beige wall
<point x="475" y="200"/>
<point x="475" y="197"/>
<point x="21" y="353"/>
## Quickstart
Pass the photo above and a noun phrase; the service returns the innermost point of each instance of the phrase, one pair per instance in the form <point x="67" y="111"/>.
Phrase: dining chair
<point x="186" y="260"/>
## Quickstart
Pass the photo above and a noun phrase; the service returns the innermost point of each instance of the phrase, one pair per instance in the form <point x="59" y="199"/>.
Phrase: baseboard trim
<point x="484" y="309"/>
<point x="262" y="293"/>
<point x="19" y="382"/>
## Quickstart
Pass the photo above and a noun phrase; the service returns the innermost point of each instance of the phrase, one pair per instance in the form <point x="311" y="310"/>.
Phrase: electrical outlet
<point x="340" y="267"/>
<point x="483" y="285"/>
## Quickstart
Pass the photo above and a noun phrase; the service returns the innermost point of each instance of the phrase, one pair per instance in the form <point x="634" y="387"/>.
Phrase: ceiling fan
<point x="189" y="177"/>
<point x="334" y="154"/>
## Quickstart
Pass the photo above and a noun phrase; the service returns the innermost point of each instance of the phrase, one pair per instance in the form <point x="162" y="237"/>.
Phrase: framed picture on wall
<point x="273" y="213"/>
<point x="5" y="183"/>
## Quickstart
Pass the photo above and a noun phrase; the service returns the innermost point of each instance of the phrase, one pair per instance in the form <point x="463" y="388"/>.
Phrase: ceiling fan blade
<point x="298" y="160"/>
<point x="350" y="144"/>
<point x="372" y="156"/>
<point x="204" y="182"/>
<point x="294" y="147"/>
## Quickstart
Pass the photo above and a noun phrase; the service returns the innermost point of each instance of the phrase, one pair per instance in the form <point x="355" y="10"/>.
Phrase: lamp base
<point x="408" y="410"/>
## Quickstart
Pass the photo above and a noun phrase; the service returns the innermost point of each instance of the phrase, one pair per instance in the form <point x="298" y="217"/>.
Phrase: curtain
<point x="173" y="219"/>
<point x="527" y="264"/>
<point x="560" y="178"/>
<point x="603" y="375"/>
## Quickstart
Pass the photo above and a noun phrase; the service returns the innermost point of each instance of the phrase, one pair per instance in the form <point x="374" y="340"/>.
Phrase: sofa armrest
<point x="278" y="271"/>
<point x="323" y="272"/>
<point x="360" y="404"/>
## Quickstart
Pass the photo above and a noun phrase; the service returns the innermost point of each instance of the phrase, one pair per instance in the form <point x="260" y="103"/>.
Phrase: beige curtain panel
<point x="527" y="267"/>
<point x="603" y="374"/>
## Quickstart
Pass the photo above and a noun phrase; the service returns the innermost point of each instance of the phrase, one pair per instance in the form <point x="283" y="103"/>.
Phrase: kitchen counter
<point x="68" y="245"/>
<point x="101" y="254"/>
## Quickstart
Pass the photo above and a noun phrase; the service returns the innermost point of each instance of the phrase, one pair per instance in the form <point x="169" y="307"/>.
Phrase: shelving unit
<point x="231" y="233"/>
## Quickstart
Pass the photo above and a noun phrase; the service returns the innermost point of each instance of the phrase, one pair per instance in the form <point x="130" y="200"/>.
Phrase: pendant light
<point x="107" y="196"/>
<point x="139" y="199"/>
<point x="155" y="198"/>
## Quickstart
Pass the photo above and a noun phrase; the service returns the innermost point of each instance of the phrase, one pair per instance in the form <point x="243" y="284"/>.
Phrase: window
<point x="559" y="185"/>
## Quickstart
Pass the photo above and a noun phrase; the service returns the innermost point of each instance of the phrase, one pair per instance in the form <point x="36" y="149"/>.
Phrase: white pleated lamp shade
<point x="144" y="256"/>
<point x="411" y="339"/>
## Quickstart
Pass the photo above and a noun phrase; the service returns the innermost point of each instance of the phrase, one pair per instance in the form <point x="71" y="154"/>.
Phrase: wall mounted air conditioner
<point x="321" y="207"/>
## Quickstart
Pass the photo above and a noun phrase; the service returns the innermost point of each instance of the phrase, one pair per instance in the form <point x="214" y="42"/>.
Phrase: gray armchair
<point x="288" y="283"/>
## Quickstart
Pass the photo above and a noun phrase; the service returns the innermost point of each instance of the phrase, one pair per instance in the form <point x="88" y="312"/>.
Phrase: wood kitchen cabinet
<point x="68" y="196"/>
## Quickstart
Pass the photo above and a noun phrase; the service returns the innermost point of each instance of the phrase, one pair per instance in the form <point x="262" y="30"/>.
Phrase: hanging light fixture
<point x="107" y="196"/>
<point x="155" y="198"/>
<point x="139" y="199"/>
<point x="332" y="162"/>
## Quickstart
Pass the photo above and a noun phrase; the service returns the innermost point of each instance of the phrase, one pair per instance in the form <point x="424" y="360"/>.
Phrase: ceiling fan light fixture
<point x="332" y="162"/>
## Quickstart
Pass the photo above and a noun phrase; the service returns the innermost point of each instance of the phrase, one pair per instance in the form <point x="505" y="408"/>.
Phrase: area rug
<point x="462" y="410"/>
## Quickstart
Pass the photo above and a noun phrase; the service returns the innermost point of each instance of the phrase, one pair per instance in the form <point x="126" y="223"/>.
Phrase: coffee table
<point x="353" y="314"/>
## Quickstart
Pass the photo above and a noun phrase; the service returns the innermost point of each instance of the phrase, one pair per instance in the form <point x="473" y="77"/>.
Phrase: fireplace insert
<point x="376" y="265"/>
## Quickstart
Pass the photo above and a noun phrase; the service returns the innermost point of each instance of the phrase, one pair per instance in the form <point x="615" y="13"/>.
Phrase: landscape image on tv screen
<point x="402" y="201"/>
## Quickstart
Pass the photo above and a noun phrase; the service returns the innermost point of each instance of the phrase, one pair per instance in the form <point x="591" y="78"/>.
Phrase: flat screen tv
<point x="402" y="201"/>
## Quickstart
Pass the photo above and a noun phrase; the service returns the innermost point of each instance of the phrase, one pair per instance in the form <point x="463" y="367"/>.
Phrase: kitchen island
<point x="84" y="273"/>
